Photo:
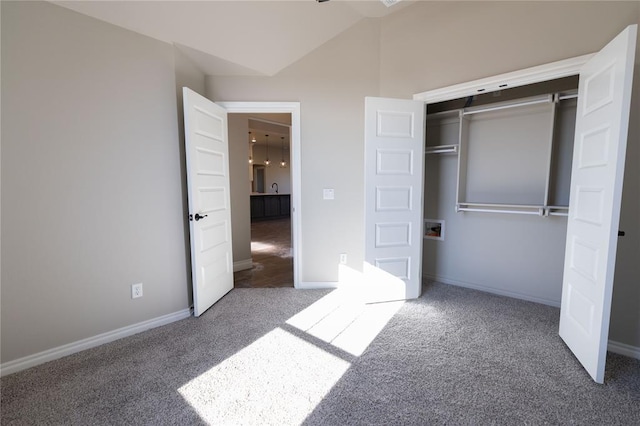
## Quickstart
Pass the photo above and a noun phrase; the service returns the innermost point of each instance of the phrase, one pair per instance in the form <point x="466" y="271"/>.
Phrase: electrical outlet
<point x="343" y="258"/>
<point x="328" y="194"/>
<point x="136" y="290"/>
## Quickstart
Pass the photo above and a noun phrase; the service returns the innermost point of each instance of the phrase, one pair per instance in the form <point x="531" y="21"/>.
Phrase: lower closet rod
<point x="471" y="209"/>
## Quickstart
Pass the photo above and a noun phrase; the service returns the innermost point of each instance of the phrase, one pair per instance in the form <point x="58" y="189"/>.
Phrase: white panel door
<point x="602" y="121"/>
<point x="394" y="170"/>
<point x="207" y="155"/>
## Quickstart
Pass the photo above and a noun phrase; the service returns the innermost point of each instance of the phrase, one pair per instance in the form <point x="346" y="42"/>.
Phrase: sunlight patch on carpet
<point x="342" y="319"/>
<point x="250" y="386"/>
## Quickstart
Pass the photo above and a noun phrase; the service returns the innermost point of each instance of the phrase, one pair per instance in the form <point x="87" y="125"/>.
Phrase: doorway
<point x="272" y="264"/>
<point x="269" y="193"/>
<point x="270" y="235"/>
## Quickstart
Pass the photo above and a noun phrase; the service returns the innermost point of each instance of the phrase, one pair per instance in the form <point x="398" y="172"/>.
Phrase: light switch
<point x="328" y="194"/>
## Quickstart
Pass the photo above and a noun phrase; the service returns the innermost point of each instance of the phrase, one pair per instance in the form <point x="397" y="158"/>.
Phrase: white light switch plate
<point x="328" y="194"/>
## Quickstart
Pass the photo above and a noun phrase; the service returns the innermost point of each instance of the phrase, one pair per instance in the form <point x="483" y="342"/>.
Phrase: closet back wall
<point x="490" y="250"/>
<point x="437" y="44"/>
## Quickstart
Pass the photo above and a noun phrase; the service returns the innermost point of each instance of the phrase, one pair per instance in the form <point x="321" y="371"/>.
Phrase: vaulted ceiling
<point x="237" y="37"/>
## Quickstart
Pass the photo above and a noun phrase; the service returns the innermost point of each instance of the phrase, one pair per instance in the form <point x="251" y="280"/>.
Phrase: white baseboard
<point x="492" y="290"/>
<point x="624" y="349"/>
<point x="110" y="336"/>
<point x="308" y="285"/>
<point x="90" y="342"/>
<point x="241" y="265"/>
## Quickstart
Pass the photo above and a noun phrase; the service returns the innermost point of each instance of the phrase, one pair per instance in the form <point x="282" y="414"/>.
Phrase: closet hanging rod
<point x="441" y="149"/>
<point x="507" y="206"/>
<point x="565" y="97"/>
<point x="473" y="209"/>
<point x="547" y="99"/>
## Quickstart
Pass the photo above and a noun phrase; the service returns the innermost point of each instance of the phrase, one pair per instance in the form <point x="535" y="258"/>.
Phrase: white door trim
<point x="540" y="73"/>
<point x="292" y="108"/>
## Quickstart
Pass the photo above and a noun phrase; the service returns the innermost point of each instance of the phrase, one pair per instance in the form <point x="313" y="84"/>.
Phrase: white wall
<point x="187" y="75"/>
<point x="330" y="84"/>
<point x="91" y="179"/>
<point x="240" y="206"/>
<point x="436" y="44"/>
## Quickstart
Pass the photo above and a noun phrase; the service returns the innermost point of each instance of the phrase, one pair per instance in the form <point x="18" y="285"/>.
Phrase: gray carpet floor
<point x="454" y="356"/>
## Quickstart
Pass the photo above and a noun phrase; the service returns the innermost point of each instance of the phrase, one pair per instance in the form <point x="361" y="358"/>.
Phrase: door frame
<point x="537" y="74"/>
<point x="292" y="108"/>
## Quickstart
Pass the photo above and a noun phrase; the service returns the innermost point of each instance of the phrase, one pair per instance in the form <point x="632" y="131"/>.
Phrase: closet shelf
<point x="528" y="209"/>
<point x="441" y="149"/>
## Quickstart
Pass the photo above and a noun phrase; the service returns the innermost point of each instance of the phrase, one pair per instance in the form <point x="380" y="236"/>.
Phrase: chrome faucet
<point x="275" y="185"/>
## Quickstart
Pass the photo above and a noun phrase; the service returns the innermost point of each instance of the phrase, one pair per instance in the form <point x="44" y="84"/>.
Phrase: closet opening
<point x="498" y="172"/>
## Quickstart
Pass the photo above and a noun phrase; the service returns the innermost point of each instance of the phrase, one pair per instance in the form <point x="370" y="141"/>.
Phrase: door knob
<point x="199" y="216"/>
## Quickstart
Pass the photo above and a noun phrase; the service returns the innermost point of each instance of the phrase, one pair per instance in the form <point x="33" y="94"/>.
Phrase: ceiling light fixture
<point x="267" y="162"/>
<point x="283" y="163"/>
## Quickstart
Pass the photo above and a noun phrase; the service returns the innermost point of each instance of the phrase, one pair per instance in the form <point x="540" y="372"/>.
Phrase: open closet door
<point x="207" y="155"/>
<point x="602" y="120"/>
<point x="394" y="174"/>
